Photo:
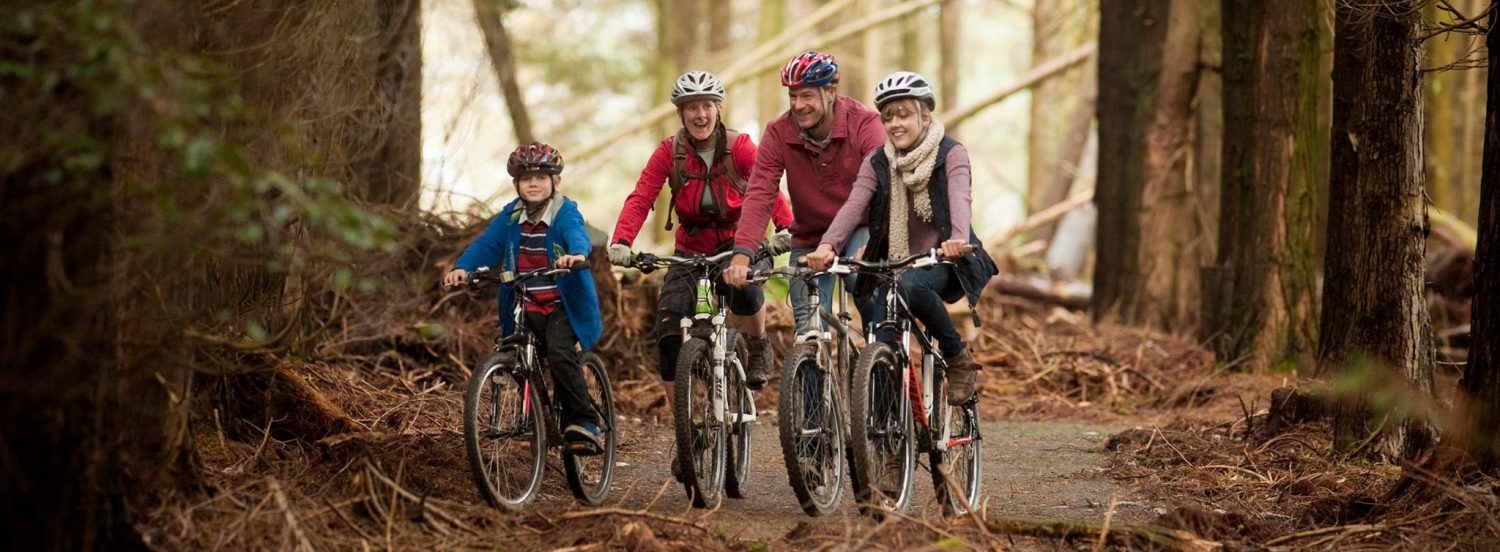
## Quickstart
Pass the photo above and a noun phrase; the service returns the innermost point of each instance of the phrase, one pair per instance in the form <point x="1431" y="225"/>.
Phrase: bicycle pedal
<point x="583" y="449"/>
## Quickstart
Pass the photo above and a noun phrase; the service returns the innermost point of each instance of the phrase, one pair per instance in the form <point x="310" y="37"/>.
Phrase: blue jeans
<point x="803" y="312"/>
<point x="923" y="289"/>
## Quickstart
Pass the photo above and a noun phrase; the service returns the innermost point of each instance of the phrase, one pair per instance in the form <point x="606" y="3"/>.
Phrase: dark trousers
<point x="924" y="289"/>
<point x="568" y="386"/>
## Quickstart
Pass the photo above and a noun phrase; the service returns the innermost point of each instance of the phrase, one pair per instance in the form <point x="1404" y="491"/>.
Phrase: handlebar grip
<point x="969" y="248"/>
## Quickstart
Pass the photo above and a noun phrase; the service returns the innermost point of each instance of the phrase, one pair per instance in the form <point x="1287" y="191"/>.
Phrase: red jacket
<point x="697" y="232"/>
<point x="819" y="181"/>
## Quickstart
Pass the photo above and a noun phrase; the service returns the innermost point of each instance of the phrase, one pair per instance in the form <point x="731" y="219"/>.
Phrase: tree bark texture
<point x="1481" y="382"/>
<point x="491" y="14"/>
<point x="1154" y="223"/>
<point x="1262" y="299"/>
<point x="1373" y="315"/>
<point x="1058" y="27"/>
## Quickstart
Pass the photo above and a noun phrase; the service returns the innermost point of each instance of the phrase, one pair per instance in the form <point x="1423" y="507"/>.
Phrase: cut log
<point x="1011" y="285"/>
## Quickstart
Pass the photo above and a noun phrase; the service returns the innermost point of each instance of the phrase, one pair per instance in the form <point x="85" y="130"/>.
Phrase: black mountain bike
<point x="510" y="418"/>
<point x="713" y="409"/>
<point x="899" y="408"/>
<point x="812" y="422"/>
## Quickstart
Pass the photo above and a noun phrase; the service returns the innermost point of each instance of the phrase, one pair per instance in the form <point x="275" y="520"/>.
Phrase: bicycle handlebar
<point x="923" y="259"/>
<point x="484" y="275"/>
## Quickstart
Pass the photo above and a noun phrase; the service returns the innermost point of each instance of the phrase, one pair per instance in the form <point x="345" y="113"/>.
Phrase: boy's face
<point x="534" y="187"/>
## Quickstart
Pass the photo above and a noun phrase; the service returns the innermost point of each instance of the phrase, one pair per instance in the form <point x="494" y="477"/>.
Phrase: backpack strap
<point x="677" y="177"/>
<point x="733" y="172"/>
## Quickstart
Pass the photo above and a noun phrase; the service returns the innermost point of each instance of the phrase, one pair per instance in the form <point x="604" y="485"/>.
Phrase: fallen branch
<point x="1125" y="536"/>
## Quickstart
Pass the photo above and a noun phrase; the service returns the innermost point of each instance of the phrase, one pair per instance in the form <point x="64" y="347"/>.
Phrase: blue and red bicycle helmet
<point x="810" y="68"/>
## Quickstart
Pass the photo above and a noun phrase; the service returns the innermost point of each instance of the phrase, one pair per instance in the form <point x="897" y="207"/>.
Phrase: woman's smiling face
<point x="700" y="118"/>
<point x="904" y="122"/>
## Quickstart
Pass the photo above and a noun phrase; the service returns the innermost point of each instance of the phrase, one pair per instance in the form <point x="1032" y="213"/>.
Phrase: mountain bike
<point x="812" y="422"/>
<point x="510" y="418"/>
<point x="712" y="409"/>
<point x="898" y="407"/>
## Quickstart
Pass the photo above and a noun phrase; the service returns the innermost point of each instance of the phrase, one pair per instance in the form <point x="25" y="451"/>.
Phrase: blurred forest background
<point x="1272" y="226"/>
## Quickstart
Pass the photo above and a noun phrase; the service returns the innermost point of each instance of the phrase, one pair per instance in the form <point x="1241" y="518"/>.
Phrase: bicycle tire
<point x="700" y="441"/>
<point x="578" y="467"/>
<point x="881" y="432"/>
<point x="817" y="494"/>
<point x="962" y="462"/>
<point x="490" y="475"/>
<point x="738" y="450"/>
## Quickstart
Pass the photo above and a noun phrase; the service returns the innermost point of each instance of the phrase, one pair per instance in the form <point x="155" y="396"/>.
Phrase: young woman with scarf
<point x="915" y="194"/>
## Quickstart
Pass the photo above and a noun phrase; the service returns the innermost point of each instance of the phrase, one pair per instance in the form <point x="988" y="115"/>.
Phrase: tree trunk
<point x="1058" y="27"/>
<point x="1374" y="318"/>
<point x="1454" y="136"/>
<point x="950" y="39"/>
<point x="1481" y="382"/>
<point x="1075" y="141"/>
<point x="1152" y="228"/>
<point x="491" y="14"/>
<point x="1261" y="308"/>
<point x="720" y="27"/>
<point x="771" y="97"/>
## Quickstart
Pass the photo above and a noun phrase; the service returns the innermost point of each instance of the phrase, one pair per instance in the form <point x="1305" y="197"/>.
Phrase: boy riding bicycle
<point x="543" y="228"/>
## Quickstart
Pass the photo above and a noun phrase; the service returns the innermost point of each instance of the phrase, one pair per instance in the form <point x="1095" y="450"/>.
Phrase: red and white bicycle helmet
<point x="810" y="68"/>
<point x="534" y="157"/>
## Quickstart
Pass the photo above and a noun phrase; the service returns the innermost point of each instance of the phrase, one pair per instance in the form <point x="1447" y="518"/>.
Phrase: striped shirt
<point x="542" y="292"/>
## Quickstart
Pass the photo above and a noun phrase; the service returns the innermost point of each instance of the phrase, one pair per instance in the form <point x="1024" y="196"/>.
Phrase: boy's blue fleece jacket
<point x="566" y="232"/>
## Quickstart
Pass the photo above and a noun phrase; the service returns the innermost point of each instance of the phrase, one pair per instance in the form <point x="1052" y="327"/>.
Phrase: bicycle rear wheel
<point x="737" y="469"/>
<point x="700" y="437"/>
<point x="503" y="435"/>
<point x="961" y="464"/>
<point x="881" y="432"/>
<point x="811" y="429"/>
<point x="589" y="477"/>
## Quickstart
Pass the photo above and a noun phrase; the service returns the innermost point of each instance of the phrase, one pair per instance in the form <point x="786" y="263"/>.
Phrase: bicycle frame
<point x="710" y="310"/>
<point x="920" y="381"/>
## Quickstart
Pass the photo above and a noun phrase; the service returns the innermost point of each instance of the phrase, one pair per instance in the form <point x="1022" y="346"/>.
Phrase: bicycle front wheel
<point x="503" y="435"/>
<point x="881" y="432"/>
<point x="589" y="476"/>
<point x="700" y="434"/>
<point x="811" y="429"/>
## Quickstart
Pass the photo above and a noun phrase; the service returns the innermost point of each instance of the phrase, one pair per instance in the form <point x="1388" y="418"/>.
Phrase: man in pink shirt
<point x="819" y="144"/>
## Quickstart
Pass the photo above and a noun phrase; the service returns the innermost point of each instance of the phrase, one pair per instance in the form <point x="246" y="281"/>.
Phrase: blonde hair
<point x="899" y="108"/>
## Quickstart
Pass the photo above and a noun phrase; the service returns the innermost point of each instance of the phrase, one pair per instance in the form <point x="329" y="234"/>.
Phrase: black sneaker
<point x="759" y="370"/>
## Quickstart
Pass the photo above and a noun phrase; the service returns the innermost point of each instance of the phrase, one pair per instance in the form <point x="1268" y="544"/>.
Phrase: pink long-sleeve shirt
<point x="818" y="180"/>
<point x="921" y="234"/>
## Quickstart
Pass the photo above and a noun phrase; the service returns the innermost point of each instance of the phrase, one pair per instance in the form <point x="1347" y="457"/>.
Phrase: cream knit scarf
<point x="910" y="174"/>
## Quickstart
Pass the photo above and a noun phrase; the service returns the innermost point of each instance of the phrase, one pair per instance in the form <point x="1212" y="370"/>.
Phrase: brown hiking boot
<point x="961" y="373"/>
<point x="758" y="372"/>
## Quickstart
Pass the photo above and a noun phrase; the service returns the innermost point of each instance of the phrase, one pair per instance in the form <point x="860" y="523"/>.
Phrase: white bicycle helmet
<point x="903" y="84"/>
<point x="697" y="85"/>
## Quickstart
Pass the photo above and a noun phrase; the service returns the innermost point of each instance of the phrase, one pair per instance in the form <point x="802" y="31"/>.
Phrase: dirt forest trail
<point x="1035" y="470"/>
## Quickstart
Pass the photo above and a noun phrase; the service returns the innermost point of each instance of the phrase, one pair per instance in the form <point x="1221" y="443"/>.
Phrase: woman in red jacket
<point x="704" y="164"/>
